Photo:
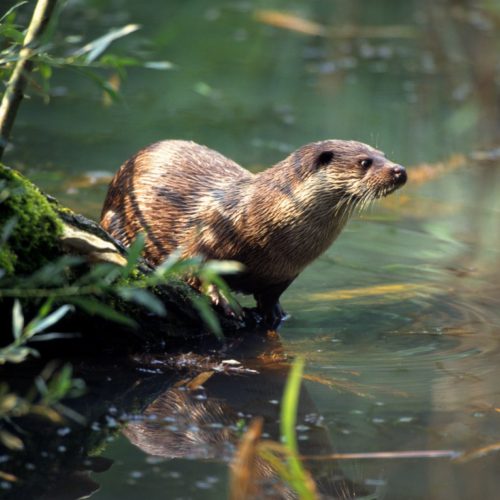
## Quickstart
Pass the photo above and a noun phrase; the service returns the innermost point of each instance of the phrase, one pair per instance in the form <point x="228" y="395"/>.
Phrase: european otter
<point x="183" y="195"/>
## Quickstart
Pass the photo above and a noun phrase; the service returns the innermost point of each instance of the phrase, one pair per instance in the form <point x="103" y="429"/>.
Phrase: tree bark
<point x="17" y="82"/>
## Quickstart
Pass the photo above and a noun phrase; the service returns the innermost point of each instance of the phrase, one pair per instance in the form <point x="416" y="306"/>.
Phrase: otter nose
<point x="399" y="174"/>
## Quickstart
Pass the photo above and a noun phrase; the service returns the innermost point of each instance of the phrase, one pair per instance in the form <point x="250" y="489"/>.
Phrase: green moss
<point x="7" y="260"/>
<point x="136" y="278"/>
<point x="34" y="239"/>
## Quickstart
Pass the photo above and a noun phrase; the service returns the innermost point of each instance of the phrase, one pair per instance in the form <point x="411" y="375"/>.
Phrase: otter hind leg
<point x="230" y="309"/>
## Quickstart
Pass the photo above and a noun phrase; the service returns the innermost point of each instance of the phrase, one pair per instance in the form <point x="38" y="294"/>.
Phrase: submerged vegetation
<point x="282" y="457"/>
<point x="54" y="384"/>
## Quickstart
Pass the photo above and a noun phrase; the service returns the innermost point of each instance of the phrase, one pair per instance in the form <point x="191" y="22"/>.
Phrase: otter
<point x="185" y="196"/>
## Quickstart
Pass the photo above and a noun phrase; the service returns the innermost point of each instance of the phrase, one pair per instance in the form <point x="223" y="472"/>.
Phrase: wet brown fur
<point x="183" y="195"/>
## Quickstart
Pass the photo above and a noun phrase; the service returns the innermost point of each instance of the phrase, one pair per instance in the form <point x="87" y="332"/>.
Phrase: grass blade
<point x="299" y="479"/>
<point x="134" y="252"/>
<point x="17" y="320"/>
<point x="143" y="298"/>
<point x="208" y="316"/>
<point x="93" y="307"/>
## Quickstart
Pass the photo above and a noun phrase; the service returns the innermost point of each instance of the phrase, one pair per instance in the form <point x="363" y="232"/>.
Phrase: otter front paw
<point x="273" y="316"/>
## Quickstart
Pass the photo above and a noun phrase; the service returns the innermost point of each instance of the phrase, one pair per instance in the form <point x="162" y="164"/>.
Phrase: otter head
<point x="352" y="172"/>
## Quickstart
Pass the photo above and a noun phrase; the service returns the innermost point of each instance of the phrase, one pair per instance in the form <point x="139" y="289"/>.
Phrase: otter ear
<point x="323" y="158"/>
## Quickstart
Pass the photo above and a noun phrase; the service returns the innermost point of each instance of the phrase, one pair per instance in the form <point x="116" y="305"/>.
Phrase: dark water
<point x="399" y="321"/>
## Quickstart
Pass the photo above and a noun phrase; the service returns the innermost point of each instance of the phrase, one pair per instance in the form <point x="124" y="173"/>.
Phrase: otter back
<point x="185" y="196"/>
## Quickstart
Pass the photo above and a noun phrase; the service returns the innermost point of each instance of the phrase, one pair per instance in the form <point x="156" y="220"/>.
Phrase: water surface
<point x="398" y="322"/>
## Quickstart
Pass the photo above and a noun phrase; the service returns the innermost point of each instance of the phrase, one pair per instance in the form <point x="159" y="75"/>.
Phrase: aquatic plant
<point x="54" y="384"/>
<point x="18" y="351"/>
<point x="282" y="457"/>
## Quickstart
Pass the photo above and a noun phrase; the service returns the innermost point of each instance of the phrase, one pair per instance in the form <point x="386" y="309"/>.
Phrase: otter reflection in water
<point x="203" y="424"/>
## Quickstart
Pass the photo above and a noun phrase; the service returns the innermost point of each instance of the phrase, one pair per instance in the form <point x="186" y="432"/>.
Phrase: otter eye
<point x="366" y="163"/>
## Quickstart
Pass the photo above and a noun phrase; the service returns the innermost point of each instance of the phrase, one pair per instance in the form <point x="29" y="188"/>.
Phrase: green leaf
<point x="41" y="324"/>
<point x="11" y="10"/>
<point x="7" y="229"/>
<point x="94" y="307"/>
<point x="45" y="308"/>
<point x="175" y="265"/>
<point x="68" y="412"/>
<point x="44" y="337"/>
<point x="169" y="262"/>
<point x="52" y="273"/>
<point x="16" y="354"/>
<point x="298" y="478"/>
<point x="134" y="252"/>
<point x="208" y="315"/>
<point x="101" y="274"/>
<point x="45" y="71"/>
<point x="224" y="266"/>
<point x="118" y="62"/>
<point x="111" y="91"/>
<point x="203" y="89"/>
<point x="17" y="320"/>
<point x="63" y="385"/>
<point x="289" y="404"/>
<point x="159" y="65"/>
<point x="143" y="298"/>
<point x="11" y="441"/>
<point x="101" y="82"/>
<point x="8" y="31"/>
<point x="58" y="386"/>
<point x="94" y="49"/>
<point x="5" y="193"/>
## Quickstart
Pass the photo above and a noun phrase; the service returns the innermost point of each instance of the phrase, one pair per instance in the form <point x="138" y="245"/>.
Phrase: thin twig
<point x="452" y="454"/>
<point x="17" y="82"/>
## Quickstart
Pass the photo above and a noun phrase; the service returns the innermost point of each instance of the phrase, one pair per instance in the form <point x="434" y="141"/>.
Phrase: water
<point x="398" y="322"/>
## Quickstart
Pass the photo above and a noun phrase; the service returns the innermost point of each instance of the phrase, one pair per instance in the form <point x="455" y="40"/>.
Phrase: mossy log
<point x="36" y="229"/>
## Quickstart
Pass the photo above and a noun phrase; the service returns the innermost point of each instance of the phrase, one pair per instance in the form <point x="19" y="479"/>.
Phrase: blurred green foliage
<point x="287" y="463"/>
<point x="44" y="399"/>
<point x="91" y="59"/>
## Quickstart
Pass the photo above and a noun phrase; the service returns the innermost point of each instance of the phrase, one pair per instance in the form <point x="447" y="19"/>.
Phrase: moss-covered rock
<point x="35" y="230"/>
<point x="34" y="239"/>
<point x="7" y="260"/>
